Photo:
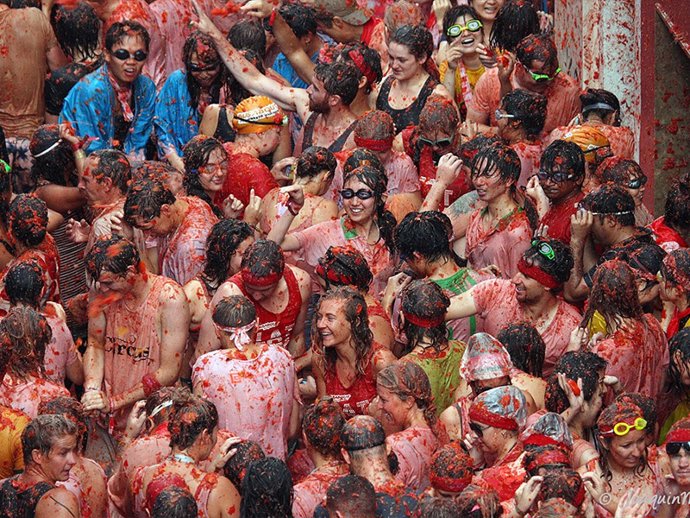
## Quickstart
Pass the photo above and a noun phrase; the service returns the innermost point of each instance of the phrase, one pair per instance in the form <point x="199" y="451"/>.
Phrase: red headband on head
<point x="426" y="323"/>
<point x="453" y="485"/>
<point x="261" y="282"/>
<point x="361" y="65"/>
<point x="480" y="414"/>
<point x="679" y="435"/>
<point x="580" y="496"/>
<point x="549" y="458"/>
<point x="383" y="144"/>
<point x="539" y="275"/>
<point x="544" y="440"/>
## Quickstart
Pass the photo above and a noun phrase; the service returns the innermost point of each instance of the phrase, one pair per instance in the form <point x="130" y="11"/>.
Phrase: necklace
<point x="184" y="458"/>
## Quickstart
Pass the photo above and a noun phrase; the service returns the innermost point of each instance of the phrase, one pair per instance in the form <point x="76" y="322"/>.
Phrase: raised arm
<point x="462" y="306"/>
<point x="248" y="75"/>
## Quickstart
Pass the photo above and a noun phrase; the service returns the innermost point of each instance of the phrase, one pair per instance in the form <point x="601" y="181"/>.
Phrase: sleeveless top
<point x="275" y="328"/>
<point x="224" y="131"/>
<point x="336" y="145"/>
<point x="408" y="116"/>
<point x="355" y="399"/>
<point x="132" y="343"/>
<point x="20" y="502"/>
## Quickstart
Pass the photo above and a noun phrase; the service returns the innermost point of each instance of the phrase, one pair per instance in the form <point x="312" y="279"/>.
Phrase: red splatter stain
<point x="672" y="127"/>
<point x="227" y="9"/>
<point x="4" y="51"/>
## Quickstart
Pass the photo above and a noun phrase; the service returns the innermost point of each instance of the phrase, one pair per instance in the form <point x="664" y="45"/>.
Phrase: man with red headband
<point x="677" y="485"/>
<point x="530" y="296"/>
<point x="279" y="292"/>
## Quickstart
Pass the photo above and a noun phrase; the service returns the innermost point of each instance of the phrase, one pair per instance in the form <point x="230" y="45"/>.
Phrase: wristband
<point x="272" y="18"/>
<point x="150" y="384"/>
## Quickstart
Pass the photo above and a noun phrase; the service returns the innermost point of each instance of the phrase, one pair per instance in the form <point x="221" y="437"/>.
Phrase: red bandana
<point x="539" y="275"/>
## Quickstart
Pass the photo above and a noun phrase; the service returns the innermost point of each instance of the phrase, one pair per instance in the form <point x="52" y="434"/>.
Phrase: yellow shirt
<point x="472" y="75"/>
<point x="12" y="424"/>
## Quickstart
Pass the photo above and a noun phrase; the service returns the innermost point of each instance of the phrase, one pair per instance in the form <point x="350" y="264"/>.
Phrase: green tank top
<point x="458" y="283"/>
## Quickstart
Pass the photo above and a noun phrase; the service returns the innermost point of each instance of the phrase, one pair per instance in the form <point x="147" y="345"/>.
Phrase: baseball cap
<point x="346" y="10"/>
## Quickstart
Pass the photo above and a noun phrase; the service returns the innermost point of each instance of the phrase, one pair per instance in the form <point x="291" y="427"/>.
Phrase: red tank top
<point x="355" y="399"/>
<point x="276" y="328"/>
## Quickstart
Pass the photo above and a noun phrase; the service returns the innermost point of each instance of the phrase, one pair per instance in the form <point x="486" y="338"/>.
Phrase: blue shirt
<point x="176" y="122"/>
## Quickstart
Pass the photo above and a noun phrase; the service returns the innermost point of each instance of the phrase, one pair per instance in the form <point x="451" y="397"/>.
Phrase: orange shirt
<point x="12" y="424"/>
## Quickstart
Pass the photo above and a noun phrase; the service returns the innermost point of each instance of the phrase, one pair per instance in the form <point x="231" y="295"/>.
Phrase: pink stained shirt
<point x="315" y="241"/>
<point x="61" y="351"/>
<point x="638" y="356"/>
<point x="502" y="245"/>
<point x="26" y="395"/>
<point x="562" y="95"/>
<point x="621" y="138"/>
<point x="311" y="491"/>
<point x="254" y="397"/>
<point x="414" y="447"/>
<point x="80" y="487"/>
<point x="497" y="304"/>
<point x="182" y="253"/>
<point x="530" y="155"/>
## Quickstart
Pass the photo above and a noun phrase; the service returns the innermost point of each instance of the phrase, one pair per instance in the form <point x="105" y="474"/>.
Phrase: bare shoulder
<point x="302" y="277"/>
<point x="192" y="290"/>
<point x="171" y="291"/>
<point x="58" y="503"/>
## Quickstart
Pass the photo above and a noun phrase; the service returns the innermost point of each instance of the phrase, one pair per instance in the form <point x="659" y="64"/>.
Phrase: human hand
<point x="278" y="169"/>
<point x="580" y="224"/>
<point x="596" y="487"/>
<point x="578" y="339"/>
<point x="486" y="55"/>
<point x="252" y="210"/>
<point x="67" y="133"/>
<point x="527" y="494"/>
<point x="631" y="505"/>
<point x="506" y="65"/>
<point x="449" y="167"/>
<point x="535" y="192"/>
<point x="204" y="23"/>
<point x="454" y="55"/>
<point x="307" y="387"/>
<point x="78" y="231"/>
<point x="573" y="391"/>
<point x="227" y="451"/>
<point x="260" y="8"/>
<point x="395" y="285"/>
<point x="136" y="419"/>
<point x="469" y="129"/>
<point x="95" y="400"/>
<point x="232" y="207"/>
<point x="440" y="8"/>
<point x="295" y="195"/>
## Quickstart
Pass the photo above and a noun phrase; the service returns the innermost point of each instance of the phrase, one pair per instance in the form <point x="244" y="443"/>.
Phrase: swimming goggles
<point x="456" y="30"/>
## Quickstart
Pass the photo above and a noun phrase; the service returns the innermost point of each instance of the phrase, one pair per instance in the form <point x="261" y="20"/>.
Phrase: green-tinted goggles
<point x="456" y="30"/>
<point x="543" y="77"/>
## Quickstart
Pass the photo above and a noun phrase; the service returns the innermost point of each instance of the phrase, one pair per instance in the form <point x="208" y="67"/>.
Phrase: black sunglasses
<point x="673" y="448"/>
<point x="637" y="182"/>
<point x="124" y="55"/>
<point x="442" y="142"/>
<point x="557" y="177"/>
<point x="362" y="194"/>
<point x="478" y="430"/>
<point x="193" y="67"/>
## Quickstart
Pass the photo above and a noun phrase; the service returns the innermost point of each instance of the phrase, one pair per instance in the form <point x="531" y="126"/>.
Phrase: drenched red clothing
<point x="558" y="217"/>
<point x="355" y="399"/>
<point x="496" y="302"/>
<point x="414" y="447"/>
<point x="26" y="395"/>
<point x="244" y="174"/>
<point x="312" y="490"/>
<point x="637" y="354"/>
<point x="504" y="477"/>
<point x="276" y="328"/>
<point x="666" y="237"/>
<point x="61" y="351"/>
<point x="374" y="36"/>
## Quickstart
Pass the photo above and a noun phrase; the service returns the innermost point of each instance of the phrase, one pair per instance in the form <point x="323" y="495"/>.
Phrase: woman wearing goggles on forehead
<point x="365" y="226"/>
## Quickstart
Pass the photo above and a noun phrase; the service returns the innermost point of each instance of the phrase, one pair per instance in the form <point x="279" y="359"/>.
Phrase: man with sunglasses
<point x="113" y="107"/>
<point x="532" y="296"/>
<point x="534" y="68"/>
<point x="675" y="497"/>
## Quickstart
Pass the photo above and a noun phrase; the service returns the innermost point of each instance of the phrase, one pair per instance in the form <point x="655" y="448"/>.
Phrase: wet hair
<point x="514" y="21"/>
<point x="406" y="380"/>
<point x="538" y="47"/>
<point x="355" y="309"/>
<point x="154" y="170"/>
<point x="189" y="419"/>
<point x="300" y="19"/>
<point x="238" y="93"/>
<point x="362" y="157"/>
<point x="646" y="404"/>
<point x="425" y="299"/>
<point x="564" y="157"/>
<point x="378" y="183"/>
<point x="267" y="490"/>
<point x="677" y="205"/>
<point x="113" y="254"/>
<point x="525" y="347"/>
<point x="545" y="457"/>
<point x="371" y="60"/>
<point x="234" y="311"/>
<point x="56" y="166"/>
<point x="427" y="234"/>
<point x="479" y="502"/>
<point x="192" y="44"/>
<point x="376" y="125"/>
<point x="453" y="14"/>
<point x="263" y="258"/>
<point x="322" y="424"/>
<point x="221" y="244"/>
<point x="420" y="43"/>
<point x="619" y="170"/>
<point x="27" y="334"/>
<point x="174" y="502"/>
<point x="679" y="345"/>
<point x="351" y="495"/>
<point x="344" y="266"/>
<point x="496" y="157"/>
<point x="197" y="153"/>
<point x="614" y="294"/>
<point x="76" y="28"/>
<point x="439" y="507"/>
<point x="450" y="468"/>
<point x="42" y="433"/>
<point x="559" y="267"/>
<point x="564" y="483"/>
<point x="120" y="30"/>
<point x="339" y="78"/>
<point x="469" y="149"/>
<point x="612" y="201"/>
<point x="145" y="199"/>
<point x="159" y="397"/>
<point x="248" y="35"/>
<point x="616" y="412"/>
<point x="235" y="468"/>
<point x="529" y="109"/>
<point x="28" y="220"/>
<point x="71" y="409"/>
<point x="593" y="96"/>
<point x="402" y="12"/>
<point x="579" y="364"/>
<point x="313" y="160"/>
<point x="24" y="284"/>
<point x="113" y="164"/>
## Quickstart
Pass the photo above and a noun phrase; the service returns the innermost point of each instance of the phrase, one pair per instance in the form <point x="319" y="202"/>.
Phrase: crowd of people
<point x="329" y="259"/>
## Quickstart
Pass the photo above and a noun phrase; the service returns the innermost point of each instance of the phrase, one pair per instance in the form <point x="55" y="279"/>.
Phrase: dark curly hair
<point x="600" y="102"/>
<point x="339" y="78"/>
<point x="420" y="44"/>
<point x="369" y="66"/>
<point x="189" y="419"/>
<point x="267" y="490"/>
<point x="234" y="311"/>
<point x="26" y="333"/>
<point x="196" y="155"/>
<point x="559" y="267"/>
<point x="57" y="166"/>
<point x="111" y="253"/>
<point x="563" y="157"/>
<point x="679" y="352"/>
<point x="525" y="347"/>
<point x="529" y="108"/>
<point x="120" y="30"/>
<point x="424" y="299"/>
<point x="24" y="284"/>
<point x="28" y="220"/>
<point x="76" y="28"/>
<point x="574" y="365"/>
<point x="362" y="157"/>
<point x="194" y="42"/>
<point x="427" y="234"/>
<point x="677" y="205"/>
<point x="263" y="258"/>
<point x="514" y="21"/>
<point x="145" y="199"/>
<point x="322" y="424"/>
<point x="221" y="244"/>
<point x="344" y="266"/>
<point x="235" y="468"/>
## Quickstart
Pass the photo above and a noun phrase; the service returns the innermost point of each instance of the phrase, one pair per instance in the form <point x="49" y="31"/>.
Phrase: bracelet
<point x="150" y="384"/>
